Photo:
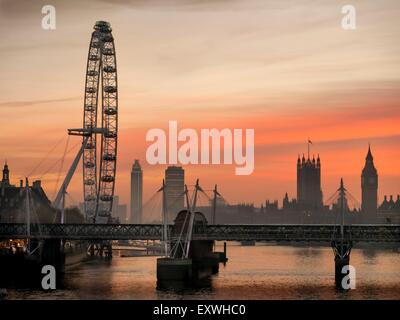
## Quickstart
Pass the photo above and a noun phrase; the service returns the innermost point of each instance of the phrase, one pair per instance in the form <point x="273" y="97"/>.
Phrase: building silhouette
<point x="309" y="193"/>
<point x="369" y="187"/>
<point x="136" y="193"/>
<point x="5" y="181"/>
<point x="311" y="208"/>
<point x="13" y="201"/>
<point x="271" y="206"/>
<point x="119" y="210"/>
<point x="289" y="205"/>
<point x="174" y="189"/>
<point x="390" y="206"/>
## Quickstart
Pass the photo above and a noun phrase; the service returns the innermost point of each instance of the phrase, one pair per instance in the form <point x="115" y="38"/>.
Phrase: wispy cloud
<point x="29" y="103"/>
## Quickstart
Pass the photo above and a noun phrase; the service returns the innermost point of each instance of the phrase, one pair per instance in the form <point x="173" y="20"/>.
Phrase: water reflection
<point x="259" y="272"/>
<point x="196" y="286"/>
<point x="370" y="255"/>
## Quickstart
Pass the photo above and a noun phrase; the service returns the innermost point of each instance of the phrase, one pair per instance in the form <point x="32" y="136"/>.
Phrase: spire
<point x="286" y="196"/>
<point x="136" y="165"/>
<point x="369" y="169"/>
<point x="6" y="174"/>
<point x="369" y="156"/>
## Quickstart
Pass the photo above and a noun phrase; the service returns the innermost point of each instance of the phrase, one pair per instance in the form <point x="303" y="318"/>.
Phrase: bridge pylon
<point x="341" y="246"/>
<point x="341" y="251"/>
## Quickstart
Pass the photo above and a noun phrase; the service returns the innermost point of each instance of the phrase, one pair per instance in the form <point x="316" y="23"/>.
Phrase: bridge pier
<point x="52" y="253"/>
<point x="222" y="255"/>
<point x="341" y="250"/>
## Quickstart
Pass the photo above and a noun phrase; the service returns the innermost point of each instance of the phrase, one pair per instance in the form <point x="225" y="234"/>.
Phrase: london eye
<point x="99" y="161"/>
<point x="100" y="84"/>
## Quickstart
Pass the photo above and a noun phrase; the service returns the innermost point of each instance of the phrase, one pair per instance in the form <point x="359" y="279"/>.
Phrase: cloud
<point x="339" y="144"/>
<point x="175" y="4"/>
<point x="29" y="103"/>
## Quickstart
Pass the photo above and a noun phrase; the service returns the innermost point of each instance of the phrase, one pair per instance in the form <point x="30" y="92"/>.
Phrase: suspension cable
<point x="57" y="161"/>
<point x="44" y="158"/>
<point x="61" y="167"/>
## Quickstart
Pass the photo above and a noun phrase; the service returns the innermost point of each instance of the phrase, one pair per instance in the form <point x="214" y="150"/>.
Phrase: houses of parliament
<point x="309" y="205"/>
<point x="309" y="200"/>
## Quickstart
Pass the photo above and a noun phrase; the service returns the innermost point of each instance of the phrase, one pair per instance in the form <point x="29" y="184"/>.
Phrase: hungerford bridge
<point x="234" y="232"/>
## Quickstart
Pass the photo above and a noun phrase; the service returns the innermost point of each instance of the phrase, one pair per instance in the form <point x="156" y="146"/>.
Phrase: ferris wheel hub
<point x="84" y="132"/>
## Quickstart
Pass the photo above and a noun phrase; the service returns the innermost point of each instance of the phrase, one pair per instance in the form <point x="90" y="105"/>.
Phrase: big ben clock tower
<point x="369" y="187"/>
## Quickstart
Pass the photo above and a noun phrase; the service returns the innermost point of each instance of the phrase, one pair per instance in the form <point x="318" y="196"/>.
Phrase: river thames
<point x="252" y="272"/>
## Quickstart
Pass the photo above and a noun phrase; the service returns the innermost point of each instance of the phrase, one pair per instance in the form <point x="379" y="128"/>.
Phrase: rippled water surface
<point x="258" y="272"/>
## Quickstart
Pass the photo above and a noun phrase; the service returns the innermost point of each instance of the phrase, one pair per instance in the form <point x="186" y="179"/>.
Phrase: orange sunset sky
<point x="285" y="68"/>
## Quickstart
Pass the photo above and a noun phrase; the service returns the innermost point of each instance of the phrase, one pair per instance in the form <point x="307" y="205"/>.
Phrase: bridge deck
<point x="272" y="232"/>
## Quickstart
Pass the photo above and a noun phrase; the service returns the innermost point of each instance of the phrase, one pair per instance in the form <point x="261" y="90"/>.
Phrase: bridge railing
<point x="315" y="233"/>
<point x="318" y="233"/>
<point x="82" y="231"/>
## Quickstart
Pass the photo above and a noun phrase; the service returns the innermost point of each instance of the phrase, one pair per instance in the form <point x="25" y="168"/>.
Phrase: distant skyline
<point x="287" y="70"/>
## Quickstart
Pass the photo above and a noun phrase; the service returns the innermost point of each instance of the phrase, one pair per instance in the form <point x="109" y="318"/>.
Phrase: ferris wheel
<point x="99" y="160"/>
<point x="99" y="174"/>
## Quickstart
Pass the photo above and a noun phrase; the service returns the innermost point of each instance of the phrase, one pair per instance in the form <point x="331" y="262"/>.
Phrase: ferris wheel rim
<point x="99" y="174"/>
